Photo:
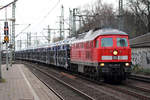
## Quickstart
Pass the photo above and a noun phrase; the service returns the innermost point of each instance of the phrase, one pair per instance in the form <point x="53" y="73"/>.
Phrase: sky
<point x="40" y="13"/>
<point x="44" y="12"/>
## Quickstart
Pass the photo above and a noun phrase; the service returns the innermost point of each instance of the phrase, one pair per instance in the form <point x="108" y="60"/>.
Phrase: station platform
<point x="20" y="84"/>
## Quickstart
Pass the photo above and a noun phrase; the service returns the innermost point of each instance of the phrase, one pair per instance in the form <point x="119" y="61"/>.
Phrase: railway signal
<point x="6" y="32"/>
<point x="6" y="39"/>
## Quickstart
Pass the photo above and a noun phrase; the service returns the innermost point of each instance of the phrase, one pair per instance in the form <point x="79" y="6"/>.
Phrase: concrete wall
<point x="141" y="57"/>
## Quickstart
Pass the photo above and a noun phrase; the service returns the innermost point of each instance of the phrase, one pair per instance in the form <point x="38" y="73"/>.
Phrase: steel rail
<point x="140" y="78"/>
<point x="57" y="94"/>
<point x="66" y="84"/>
<point x="129" y="92"/>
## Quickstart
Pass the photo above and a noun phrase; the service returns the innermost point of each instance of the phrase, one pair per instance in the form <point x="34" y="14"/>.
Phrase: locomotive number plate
<point x="114" y="57"/>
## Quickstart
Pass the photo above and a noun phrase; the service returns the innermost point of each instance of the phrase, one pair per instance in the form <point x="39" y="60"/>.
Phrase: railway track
<point x="139" y="88"/>
<point x="82" y="96"/>
<point x="57" y="94"/>
<point x="130" y="91"/>
<point x="125" y="89"/>
<point x="140" y="78"/>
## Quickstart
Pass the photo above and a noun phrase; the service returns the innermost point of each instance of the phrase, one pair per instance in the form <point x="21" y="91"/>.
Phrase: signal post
<point x="6" y="40"/>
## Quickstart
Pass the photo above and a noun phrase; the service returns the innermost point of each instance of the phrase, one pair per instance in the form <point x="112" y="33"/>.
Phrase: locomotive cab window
<point x="97" y="44"/>
<point x="122" y="42"/>
<point x="106" y="42"/>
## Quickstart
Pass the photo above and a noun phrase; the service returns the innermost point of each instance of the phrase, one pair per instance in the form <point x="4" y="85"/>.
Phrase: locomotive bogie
<point x="116" y="70"/>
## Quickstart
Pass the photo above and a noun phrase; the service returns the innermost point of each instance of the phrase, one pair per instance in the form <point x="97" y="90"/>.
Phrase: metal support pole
<point x="49" y="36"/>
<point x="0" y="60"/>
<point x="11" y="51"/>
<point x="74" y="22"/>
<point x="29" y="36"/>
<point x="80" y="19"/>
<point x="36" y="40"/>
<point x="27" y="39"/>
<point x="6" y="43"/>
<point x="121" y="21"/>
<point x="62" y="20"/>
<point x="70" y="22"/>
<point x="48" y="33"/>
<point x="13" y="29"/>
<point x="20" y="43"/>
<point x="7" y="56"/>
<point x="60" y="25"/>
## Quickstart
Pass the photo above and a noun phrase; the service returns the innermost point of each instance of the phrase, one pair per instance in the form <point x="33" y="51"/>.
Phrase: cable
<point x="52" y="9"/>
<point x="22" y="30"/>
<point x="45" y="36"/>
<point x="47" y="14"/>
<point x="8" y="4"/>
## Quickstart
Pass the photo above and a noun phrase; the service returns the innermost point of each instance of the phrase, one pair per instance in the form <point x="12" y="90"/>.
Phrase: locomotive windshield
<point x="107" y="42"/>
<point x="122" y="42"/>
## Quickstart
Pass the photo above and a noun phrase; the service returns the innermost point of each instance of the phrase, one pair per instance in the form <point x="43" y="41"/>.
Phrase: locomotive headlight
<point x="127" y="64"/>
<point x="102" y="64"/>
<point x="115" y="52"/>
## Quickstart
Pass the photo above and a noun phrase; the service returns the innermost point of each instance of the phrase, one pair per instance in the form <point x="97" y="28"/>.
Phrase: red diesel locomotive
<point x="102" y="54"/>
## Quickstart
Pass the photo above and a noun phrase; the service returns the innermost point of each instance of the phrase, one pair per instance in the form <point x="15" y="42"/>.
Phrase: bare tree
<point x="141" y="8"/>
<point x="136" y="17"/>
<point x="98" y="15"/>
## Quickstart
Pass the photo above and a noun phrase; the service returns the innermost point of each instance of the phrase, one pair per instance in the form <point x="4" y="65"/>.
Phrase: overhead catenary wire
<point x="45" y="16"/>
<point x="8" y="4"/>
<point x="23" y="30"/>
<point x="52" y="9"/>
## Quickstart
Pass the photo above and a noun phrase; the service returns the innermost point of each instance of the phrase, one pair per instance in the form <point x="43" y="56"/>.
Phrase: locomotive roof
<point x="91" y="35"/>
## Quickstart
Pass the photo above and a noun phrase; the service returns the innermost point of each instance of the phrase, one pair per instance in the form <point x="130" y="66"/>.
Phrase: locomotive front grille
<point x="115" y="68"/>
<point x="114" y="65"/>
